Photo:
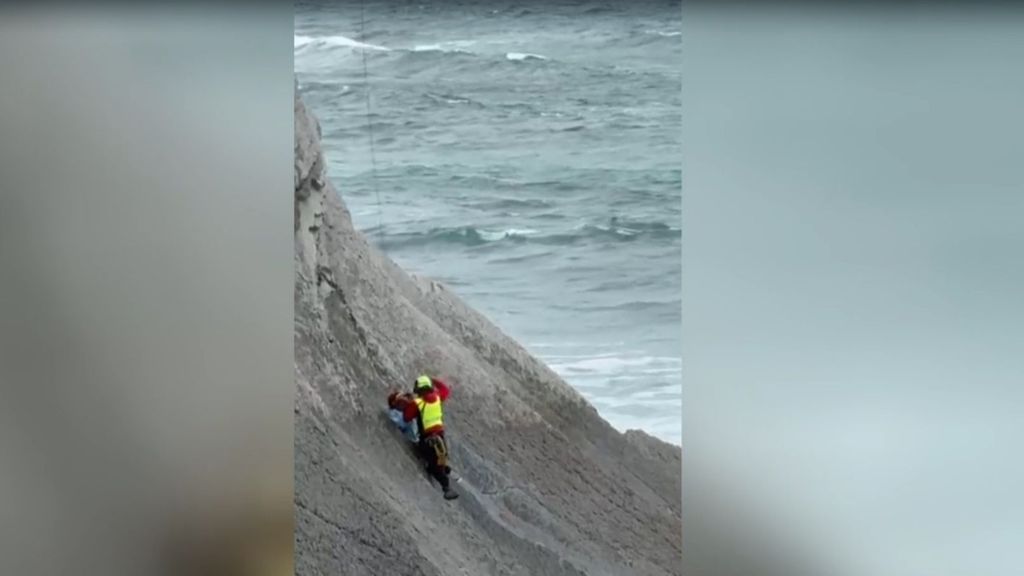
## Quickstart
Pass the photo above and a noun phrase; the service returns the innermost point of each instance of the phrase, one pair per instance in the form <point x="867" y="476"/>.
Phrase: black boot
<point x="450" y="494"/>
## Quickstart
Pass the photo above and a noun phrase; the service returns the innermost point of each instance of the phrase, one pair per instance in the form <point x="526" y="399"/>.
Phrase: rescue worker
<point x="429" y="395"/>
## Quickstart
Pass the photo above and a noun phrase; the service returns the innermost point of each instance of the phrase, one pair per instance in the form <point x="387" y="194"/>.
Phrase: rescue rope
<point x="369" y="120"/>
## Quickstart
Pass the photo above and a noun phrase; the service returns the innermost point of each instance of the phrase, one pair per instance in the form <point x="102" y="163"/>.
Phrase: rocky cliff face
<point x="548" y="487"/>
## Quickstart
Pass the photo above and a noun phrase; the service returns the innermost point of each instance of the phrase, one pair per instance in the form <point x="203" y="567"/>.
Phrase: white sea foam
<point x="524" y="56"/>
<point x="345" y="41"/>
<point x="454" y="46"/>
<point x="492" y="235"/>
<point x="448" y="98"/>
<point x="606" y="364"/>
<point x="574" y="345"/>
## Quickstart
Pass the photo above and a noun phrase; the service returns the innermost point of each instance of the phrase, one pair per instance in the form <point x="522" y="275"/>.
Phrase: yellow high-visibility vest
<point x="430" y="413"/>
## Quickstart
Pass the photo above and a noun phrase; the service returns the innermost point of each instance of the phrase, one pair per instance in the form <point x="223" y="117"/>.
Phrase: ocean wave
<point x="464" y="235"/>
<point x="452" y="99"/>
<point x="335" y="88"/>
<point x="607" y="365"/>
<point x="556" y="185"/>
<point x="631" y="306"/>
<point x="664" y="33"/>
<point x="440" y="49"/>
<point x="335" y="41"/>
<point x="510" y="204"/>
<point x="415" y="62"/>
<point x="518" y="107"/>
<point x="479" y="181"/>
<point x="517" y="56"/>
<point x="617" y="231"/>
<point x="617" y="284"/>
<point x="564" y="345"/>
<point x="521" y="258"/>
<point x="472" y="236"/>
<point x="454" y="46"/>
<point x="509" y="234"/>
<point x="640" y="225"/>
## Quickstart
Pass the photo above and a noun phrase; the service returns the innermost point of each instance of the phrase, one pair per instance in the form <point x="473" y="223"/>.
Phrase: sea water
<point x="528" y="157"/>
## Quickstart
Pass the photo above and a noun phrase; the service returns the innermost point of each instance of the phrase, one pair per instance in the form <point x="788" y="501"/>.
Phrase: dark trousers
<point x="434" y="450"/>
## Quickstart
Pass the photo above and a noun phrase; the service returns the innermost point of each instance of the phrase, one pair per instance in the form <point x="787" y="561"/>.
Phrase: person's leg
<point x="447" y="459"/>
<point x="442" y="478"/>
<point x="441" y="469"/>
<point x="435" y="454"/>
<point x="423" y="450"/>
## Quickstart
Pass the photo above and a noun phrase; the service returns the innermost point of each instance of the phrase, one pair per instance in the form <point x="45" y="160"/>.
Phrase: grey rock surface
<point x="548" y="487"/>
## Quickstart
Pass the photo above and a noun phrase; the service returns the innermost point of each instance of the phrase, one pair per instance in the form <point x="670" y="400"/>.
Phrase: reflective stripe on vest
<point x="430" y="413"/>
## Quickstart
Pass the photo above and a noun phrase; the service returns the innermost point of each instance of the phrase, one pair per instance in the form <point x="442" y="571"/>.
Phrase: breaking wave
<point x="455" y="47"/>
<point x="524" y="56"/>
<point x="473" y="236"/>
<point x="464" y="235"/>
<point x="335" y="41"/>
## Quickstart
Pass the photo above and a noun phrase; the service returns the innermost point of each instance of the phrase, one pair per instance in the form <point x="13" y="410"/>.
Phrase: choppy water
<point x="529" y="157"/>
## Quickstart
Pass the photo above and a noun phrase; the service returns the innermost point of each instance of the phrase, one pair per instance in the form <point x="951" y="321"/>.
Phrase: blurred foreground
<point x="146" y="310"/>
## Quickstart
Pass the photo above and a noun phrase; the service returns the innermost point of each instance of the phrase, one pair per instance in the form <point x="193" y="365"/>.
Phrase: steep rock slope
<point x="549" y="488"/>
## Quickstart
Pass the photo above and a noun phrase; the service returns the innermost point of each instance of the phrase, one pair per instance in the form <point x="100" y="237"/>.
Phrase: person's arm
<point x="442" y="389"/>
<point x="410" y="412"/>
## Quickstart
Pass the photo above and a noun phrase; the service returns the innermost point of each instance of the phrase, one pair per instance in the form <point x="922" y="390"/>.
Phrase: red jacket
<point x="411" y="411"/>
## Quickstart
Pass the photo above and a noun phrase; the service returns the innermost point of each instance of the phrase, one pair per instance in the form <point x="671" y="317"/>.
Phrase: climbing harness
<point x="437" y="444"/>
